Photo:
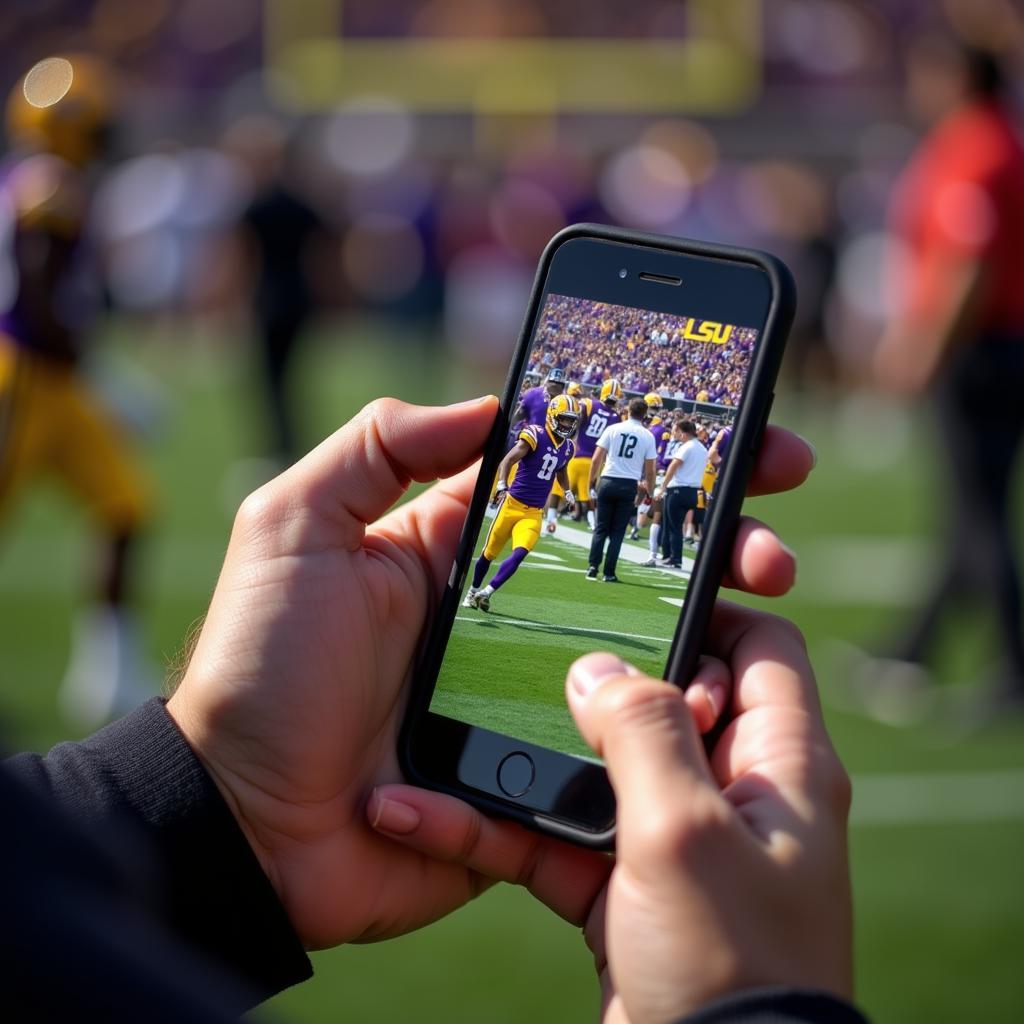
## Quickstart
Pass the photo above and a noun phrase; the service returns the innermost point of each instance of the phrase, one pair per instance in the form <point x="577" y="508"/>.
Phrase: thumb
<point x="645" y="732"/>
<point x="361" y="470"/>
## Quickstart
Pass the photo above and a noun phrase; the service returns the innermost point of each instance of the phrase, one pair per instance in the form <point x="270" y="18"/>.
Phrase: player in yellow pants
<point x="50" y="424"/>
<point x="516" y="521"/>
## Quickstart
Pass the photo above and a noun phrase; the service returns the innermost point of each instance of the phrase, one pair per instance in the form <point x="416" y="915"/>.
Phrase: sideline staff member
<point x="625" y="455"/>
<point x="681" y="485"/>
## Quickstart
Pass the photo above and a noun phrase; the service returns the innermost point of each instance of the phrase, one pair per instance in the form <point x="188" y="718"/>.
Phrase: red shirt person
<point x="958" y="333"/>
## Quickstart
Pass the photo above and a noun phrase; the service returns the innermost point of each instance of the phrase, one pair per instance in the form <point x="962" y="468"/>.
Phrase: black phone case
<point x="748" y="431"/>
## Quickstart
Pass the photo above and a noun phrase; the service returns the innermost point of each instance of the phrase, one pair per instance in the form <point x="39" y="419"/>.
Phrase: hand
<point x="499" y="492"/>
<point x="570" y="500"/>
<point x="293" y="696"/>
<point x="730" y="874"/>
<point x="571" y="882"/>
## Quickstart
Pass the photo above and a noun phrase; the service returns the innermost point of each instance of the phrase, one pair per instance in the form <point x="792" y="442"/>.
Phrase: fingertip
<point x="390" y="815"/>
<point x="761" y="563"/>
<point x="708" y="693"/>
<point x="812" y="449"/>
<point x="469" y="403"/>
<point x="591" y="671"/>
<point x="784" y="461"/>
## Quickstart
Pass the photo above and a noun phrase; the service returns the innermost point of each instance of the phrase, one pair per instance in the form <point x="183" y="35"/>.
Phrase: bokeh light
<point x="645" y="185"/>
<point x="382" y="256"/>
<point x="369" y="136"/>
<point x="48" y="82"/>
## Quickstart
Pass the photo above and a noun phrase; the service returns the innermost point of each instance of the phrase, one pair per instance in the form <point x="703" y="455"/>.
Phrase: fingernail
<point x="814" y="451"/>
<point x="471" y="401"/>
<point x="590" y="671"/>
<point x="716" y="700"/>
<point x="394" y="817"/>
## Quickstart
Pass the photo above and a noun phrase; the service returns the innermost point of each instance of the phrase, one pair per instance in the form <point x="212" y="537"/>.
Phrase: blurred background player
<point x="539" y="456"/>
<point x="595" y="415"/>
<point x="50" y="422"/>
<point x="279" y="229"/>
<point x="624" y="463"/>
<point x="958" y="335"/>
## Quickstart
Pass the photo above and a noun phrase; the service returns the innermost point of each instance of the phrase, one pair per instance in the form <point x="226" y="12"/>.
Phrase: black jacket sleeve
<point x="778" y="1006"/>
<point x="126" y="861"/>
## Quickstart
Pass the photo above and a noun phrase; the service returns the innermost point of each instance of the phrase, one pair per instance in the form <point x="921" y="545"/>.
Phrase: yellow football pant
<point x="50" y="423"/>
<point x="514" y="520"/>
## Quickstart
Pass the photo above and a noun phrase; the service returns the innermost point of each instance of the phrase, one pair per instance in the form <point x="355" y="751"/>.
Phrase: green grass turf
<point x="939" y="908"/>
<point x="504" y="669"/>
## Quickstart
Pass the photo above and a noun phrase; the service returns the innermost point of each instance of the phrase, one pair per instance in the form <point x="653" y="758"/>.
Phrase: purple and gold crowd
<point x="646" y="351"/>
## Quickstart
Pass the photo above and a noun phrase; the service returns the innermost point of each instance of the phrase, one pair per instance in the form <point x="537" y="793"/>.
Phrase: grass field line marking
<point x="865" y="570"/>
<point x="565" y="629"/>
<point x="937" y="798"/>
<point x="555" y="568"/>
<point x="627" y="553"/>
<point x="546" y="556"/>
<point x="675" y="601"/>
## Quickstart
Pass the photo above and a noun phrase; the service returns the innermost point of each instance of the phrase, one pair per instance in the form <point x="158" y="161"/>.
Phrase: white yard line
<point x="627" y="553"/>
<point x="555" y="626"/>
<point x="527" y="564"/>
<point x="896" y="800"/>
<point x="937" y="798"/>
<point x="874" y="571"/>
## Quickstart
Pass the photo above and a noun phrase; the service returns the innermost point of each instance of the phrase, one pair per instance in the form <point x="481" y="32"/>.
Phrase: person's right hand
<point x="730" y="874"/>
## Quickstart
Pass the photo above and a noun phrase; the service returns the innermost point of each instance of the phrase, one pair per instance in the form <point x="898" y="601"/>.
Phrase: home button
<point x="516" y="774"/>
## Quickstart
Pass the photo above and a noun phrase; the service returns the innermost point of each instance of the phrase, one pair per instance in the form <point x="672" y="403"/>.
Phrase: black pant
<point x="278" y="338"/>
<point x="616" y="500"/>
<point x="981" y="426"/>
<point x="678" y="501"/>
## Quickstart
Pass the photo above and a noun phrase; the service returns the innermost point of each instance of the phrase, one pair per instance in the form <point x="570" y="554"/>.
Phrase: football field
<point x="937" y="837"/>
<point x="505" y="668"/>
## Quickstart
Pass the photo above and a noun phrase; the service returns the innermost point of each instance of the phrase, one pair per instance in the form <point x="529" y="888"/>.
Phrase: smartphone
<point x="614" y="315"/>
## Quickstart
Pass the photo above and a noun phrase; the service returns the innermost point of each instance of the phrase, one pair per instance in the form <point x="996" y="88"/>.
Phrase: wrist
<point x="197" y="734"/>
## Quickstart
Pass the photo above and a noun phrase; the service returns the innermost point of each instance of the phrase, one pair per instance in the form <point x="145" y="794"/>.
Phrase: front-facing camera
<point x="622" y="272"/>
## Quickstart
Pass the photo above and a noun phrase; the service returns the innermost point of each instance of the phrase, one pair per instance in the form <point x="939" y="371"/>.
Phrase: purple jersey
<point x="594" y="417"/>
<point x="535" y="402"/>
<point x="536" y="470"/>
<point x="723" y="441"/>
<point x="661" y="437"/>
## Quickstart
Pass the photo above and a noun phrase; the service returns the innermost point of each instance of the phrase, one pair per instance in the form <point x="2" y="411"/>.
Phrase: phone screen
<point x="507" y="656"/>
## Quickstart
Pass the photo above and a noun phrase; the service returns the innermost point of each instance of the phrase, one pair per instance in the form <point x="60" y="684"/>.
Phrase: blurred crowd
<point x="154" y="169"/>
<point x="438" y="218"/>
<point x="643" y="350"/>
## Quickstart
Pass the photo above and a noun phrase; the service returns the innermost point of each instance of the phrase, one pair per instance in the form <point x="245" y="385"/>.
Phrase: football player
<point x="595" y="415"/>
<point x="649" y="511"/>
<point x="540" y="456"/>
<point x="533" y="404"/>
<point x="50" y="420"/>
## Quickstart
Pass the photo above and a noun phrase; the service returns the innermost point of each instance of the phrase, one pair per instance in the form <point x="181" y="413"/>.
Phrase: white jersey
<point x="628" y="445"/>
<point x="692" y="457"/>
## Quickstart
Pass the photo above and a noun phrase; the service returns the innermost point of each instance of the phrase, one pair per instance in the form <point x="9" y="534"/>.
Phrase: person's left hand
<point x="294" y="694"/>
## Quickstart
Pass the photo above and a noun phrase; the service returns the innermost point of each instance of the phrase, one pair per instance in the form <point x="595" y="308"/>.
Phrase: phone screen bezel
<point x="733" y="286"/>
